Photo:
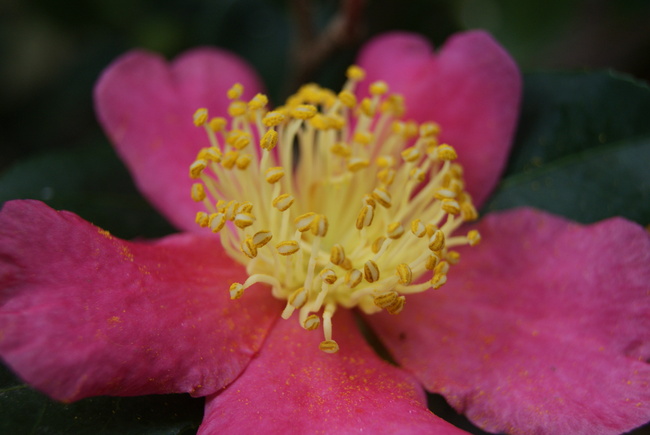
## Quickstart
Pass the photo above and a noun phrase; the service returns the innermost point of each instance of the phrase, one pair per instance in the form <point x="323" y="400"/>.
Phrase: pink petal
<point x="146" y="107"/>
<point x="542" y="328"/>
<point x="293" y="387"/>
<point x="84" y="313"/>
<point x="471" y="87"/>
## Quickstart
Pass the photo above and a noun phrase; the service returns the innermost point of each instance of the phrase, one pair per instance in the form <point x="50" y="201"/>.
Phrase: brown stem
<point x="311" y="49"/>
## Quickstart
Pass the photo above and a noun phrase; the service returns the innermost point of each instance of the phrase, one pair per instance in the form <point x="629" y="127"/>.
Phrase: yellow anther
<point x="364" y="219"/>
<point x="320" y="122"/>
<point x="437" y="241"/>
<point x="239" y="139"/>
<point x="386" y="176"/>
<point x="319" y="225"/>
<point x="411" y="129"/>
<point x="237" y="108"/>
<point x="451" y="206"/>
<point x="371" y="271"/>
<point x="417" y="174"/>
<point x="328" y="275"/>
<point x="395" y="230"/>
<point x="353" y="277"/>
<point x="456" y="169"/>
<point x="398" y="127"/>
<point x="446" y="152"/>
<point x="355" y="73"/>
<point x="243" y="161"/>
<point x="444" y="194"/>
<point x="363" y="137"/>
<point x="441" y="268"/>
<point x="473" y="237"/>
<point x="283" y="202"/>
<point x="348" y="99"/>
<point x="198" y="192"/>
<point x="229" y="159"/>
<point x="336" y="122"/>
<point x="243" y="220"/>
<point x="304" y="221"/>
<point x="456" y="186"/>
<point x="385" y="299"/>
<point x="311" y="322"/>
<point x="269" y="140"/>
<point x="274" y="118"/>
<point x="202" y="218"/>
<point x="404" y="273"/>
<point x="304" y="111"/>
<point x="200" y="116"/>
<point x="236" y="290"/>
<point x="197" y="168"/>
<point x="385" y="161"/>
<point x="235" y="91"/>
<point x="411" y="154"/>
<point x="337" y="254"/>
<point x="369" y="200"/>
<point x="249" y="248"/>
<point x="217" y="124"/>
<point x="468" y="212"/>
<point x="432" y="262"/>
<point x="217" y="222"/>
<point x="394" y="105"/>
<point x="298" y="298"/>
<point x="431" y="228"/>
<point x="382" y="196"/>
<point x="261" y="238"/>
<point x="367" y="107"/>
<point x="377" y="244"/>
<point x="230" y="210"/>
<point x="379" y="87"/>
<point x="428" y="129"/>
<point x="258" y="102"/>
<point x="341" y="149"/>
<point x="329" y="346"/>
<point x="274" y="174"/>
<point x="396" y="306"/>
<point x="346" y="264"/>
<point x="418" y="228"/>
<point x="212" y="154"/>
<point x="287" y="247"/>
<point x="438" y="280"/>
<point x="357" y="163"/>
<point x="244" y="207"/>
<point x="453" y="257"/>
<point x="430" y="144"/>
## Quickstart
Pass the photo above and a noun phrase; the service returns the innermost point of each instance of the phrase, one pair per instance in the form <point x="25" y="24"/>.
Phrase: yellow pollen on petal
<point x="331" y="200"/>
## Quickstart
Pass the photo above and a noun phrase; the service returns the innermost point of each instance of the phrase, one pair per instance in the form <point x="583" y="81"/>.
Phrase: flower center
<point x="343" y="204"/>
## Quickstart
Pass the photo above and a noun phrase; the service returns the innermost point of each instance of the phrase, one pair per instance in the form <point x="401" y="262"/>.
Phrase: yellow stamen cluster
<point x="343" y="203"/>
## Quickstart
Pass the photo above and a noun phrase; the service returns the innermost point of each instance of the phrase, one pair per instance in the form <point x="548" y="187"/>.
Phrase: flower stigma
<point x="343" y="203"/>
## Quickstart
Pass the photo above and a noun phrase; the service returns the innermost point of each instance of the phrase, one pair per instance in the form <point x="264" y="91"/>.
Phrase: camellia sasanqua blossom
<point x="542" y="328"/>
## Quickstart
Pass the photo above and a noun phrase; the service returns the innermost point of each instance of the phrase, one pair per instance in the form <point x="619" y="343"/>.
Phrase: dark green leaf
<point x="588" y="186"/>
<point x="581" y="149"/>
<point x="565" y="113"/>
<point x="92" y="182"/>
<point x="25" y="411"/>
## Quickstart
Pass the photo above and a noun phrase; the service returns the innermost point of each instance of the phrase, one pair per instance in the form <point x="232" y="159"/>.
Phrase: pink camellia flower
<point x="542" y="328"/>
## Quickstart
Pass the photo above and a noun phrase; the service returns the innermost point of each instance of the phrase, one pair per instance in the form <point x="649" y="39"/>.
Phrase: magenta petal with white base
<point x="542" y="328"/>
<point x="471" y="87"/>
<point x="83" y="313"/>
<point x="293" y="387"/>
<point x="146" y="107"/>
